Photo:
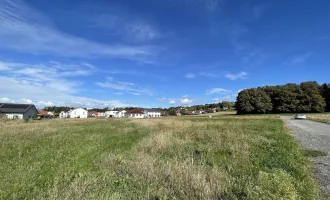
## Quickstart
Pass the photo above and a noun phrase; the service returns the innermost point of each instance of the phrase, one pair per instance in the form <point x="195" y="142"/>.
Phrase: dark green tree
<point x="314" y="100"/>
<point x="254" y="101"/>
<point x="326" y="96"/>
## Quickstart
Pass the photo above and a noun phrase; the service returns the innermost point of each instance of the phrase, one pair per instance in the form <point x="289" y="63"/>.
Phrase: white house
<point x="75" y="113"/>
<point x="78" y="113"/>
<point x="111" y="114"/>
<point x="136" y="113"/>
<point x="150" y="113"/>
<point x="121" y="114"/>
<point x="115" y="114"/>
<point x="64" y="114"/>
<point x="101" y="114"/>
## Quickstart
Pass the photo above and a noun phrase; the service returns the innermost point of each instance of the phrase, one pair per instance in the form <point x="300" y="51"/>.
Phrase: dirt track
<point x="314" y="136"/>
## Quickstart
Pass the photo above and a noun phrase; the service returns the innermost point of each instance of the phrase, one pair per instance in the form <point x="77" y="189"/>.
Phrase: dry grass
<point x="324" y="118"/>
<point x="223" y="157"/>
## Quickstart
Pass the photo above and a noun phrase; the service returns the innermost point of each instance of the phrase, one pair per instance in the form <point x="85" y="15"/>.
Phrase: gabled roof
<point x="152" y="110"/>
<point x="92" y="113"/>
<point x="16" y="108"/>
<point x="42" y="112"/>
<point x="78" y="109"/>
<point x="135" y="111"/>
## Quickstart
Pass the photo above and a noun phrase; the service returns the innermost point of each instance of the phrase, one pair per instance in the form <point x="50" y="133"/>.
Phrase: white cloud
<point x="33" y="33"/>
<point x="17" y="91"/>
<point x="172" y="102"/>
<point x="217" y="91"/>
<point x="185" y="100"/>
<point x="46" y="85"/>
<point x="45" y="104"/>
<point x="25" y="101"/>
<point x="127" y="87"/>
<point x="190" y="75"/>
<point x="49" y="75"/>
<point x="6" y="100"/>
<point x="241" y="75"/>
<point x="3" y="67"/>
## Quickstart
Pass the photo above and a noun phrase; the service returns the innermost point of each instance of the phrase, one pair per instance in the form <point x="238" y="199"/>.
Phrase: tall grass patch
<point x="225" y="157"/>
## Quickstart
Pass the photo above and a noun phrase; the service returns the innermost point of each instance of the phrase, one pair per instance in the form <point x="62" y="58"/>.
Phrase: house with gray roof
<point x="18" y="111"/>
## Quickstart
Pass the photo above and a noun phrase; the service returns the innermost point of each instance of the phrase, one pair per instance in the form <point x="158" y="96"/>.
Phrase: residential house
<point x="92" y="114"/>
<point x="164" y="113"/>
<point x="75" y="113"/>
<point x="64" y="114"/>
<point x="178" y="112"/>
<point x="78" y="113"/>
<point x="136" y="113"/>
<point x="111" y="114"/>
<point x="18" y="111"/>
<point x="151" y="113"/>
<point x="212" y="110"/>
<point x="199" y="112"/>
<point x="101" y="114"/>
<point x="121" y="114"/>
<point x="45" y="114"/>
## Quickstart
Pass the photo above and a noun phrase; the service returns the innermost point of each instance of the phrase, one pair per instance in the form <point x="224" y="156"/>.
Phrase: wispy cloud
<point x="221" y="99"/>
<point x="127" y="87"/>
<point x="16" y="90"/>
<point x="208" y="74"/>
<point x="138" y="73"/>
<point x="233" y="77"/>
<point x="217" y="91"/>
<point x="34" y="33"/>
<point x="122" y="23"/>
<point x="49" y="75"/>
<point x="298" y="59"/>
<point x="190" y="76"/>
<point x="257" y="11"/>
<point x="161" y="100"/>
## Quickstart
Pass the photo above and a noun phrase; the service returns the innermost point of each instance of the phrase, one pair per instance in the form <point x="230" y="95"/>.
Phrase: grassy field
<point x="324" y="118"/>
<point x="223" y="157"/>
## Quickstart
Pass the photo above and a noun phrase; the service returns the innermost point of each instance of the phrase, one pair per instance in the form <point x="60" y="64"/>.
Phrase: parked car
<point x="300" y="116"/>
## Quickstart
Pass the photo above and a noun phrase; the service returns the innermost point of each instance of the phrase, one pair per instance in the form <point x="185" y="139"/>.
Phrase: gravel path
<point x="314" y="136"/>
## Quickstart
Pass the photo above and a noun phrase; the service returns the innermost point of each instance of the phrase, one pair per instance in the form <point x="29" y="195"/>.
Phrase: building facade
<point x="75" y="113"/>
<point x="151" y="113"/>
<point x="18" y="111"/>
<point x="136" y="113"/>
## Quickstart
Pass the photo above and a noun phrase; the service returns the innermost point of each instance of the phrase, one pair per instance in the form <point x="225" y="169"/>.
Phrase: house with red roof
<point x="136" y="113"/>
<point x="45" y="114"/>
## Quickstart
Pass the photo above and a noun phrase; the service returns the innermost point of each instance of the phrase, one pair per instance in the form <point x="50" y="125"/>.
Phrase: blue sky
<point x="157" y="53"/>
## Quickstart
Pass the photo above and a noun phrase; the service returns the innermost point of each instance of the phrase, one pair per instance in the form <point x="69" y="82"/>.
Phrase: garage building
<point x="18" y="111"/>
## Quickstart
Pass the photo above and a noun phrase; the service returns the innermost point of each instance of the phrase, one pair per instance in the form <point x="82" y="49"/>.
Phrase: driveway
<point x="314" y="136"/>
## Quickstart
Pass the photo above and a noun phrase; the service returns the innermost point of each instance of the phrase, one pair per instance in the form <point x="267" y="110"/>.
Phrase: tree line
<point x="306" y="97"/>
<point x="221" y="106"/>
